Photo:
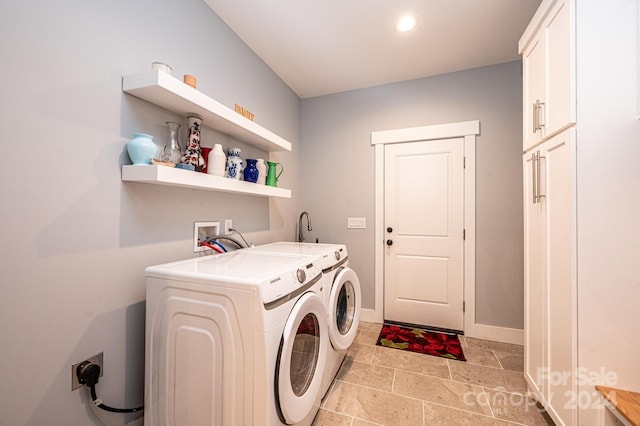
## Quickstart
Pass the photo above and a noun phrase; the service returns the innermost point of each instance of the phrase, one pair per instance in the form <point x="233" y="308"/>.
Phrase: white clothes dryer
<point x="341" y="289"/>
<point x="238" y="338"/>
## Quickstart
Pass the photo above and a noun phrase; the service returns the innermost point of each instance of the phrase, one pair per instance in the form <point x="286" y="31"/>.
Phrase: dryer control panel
<point x="290" y="284"/>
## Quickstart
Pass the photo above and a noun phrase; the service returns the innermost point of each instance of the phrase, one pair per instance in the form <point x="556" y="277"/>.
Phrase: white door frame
<point x="466" y="129"/>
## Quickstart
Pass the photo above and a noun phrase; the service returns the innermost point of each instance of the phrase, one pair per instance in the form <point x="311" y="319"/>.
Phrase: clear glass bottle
<point x="172" y="151"/>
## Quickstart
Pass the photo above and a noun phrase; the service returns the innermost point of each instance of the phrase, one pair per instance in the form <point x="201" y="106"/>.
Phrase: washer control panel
<point x="291" y="281"/>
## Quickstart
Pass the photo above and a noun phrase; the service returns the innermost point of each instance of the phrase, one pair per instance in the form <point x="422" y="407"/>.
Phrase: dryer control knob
<point x="337" y="255"/>
<point x="301" y="275"/>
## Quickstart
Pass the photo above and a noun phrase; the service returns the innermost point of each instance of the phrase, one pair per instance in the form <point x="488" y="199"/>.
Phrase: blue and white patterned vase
<point x="234" y="164"/>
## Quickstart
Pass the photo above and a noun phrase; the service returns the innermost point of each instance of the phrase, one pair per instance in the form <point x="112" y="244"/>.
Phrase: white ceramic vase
<point x="216" y="161"/>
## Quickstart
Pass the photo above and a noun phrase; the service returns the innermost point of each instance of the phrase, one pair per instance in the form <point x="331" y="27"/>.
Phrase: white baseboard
<point x="497" y="334"/>
<point x="370" y="315"/>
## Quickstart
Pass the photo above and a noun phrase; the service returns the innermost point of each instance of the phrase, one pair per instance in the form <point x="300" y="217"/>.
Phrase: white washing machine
<point x="341" y="288"/>
<point x="238" y="338"/>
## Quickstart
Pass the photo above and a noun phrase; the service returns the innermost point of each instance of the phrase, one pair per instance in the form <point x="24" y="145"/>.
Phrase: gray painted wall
<point x="74" y="239"/>
<point x="338" y="171"/>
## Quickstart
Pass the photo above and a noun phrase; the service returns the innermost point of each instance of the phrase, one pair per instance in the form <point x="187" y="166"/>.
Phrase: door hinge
<point x="464" y="162"/>
<point x="464" y="234"/>
<point x="464" y="307"/>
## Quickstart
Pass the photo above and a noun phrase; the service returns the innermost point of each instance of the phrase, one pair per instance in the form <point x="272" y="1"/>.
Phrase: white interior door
<point x="424" y="217"/>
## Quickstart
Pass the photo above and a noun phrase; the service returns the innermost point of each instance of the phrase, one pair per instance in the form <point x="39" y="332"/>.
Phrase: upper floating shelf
<point x="168" y="92"/>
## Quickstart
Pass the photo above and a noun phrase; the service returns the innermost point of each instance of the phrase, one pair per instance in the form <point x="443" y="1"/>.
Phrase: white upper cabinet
<point x="548" y="61"/>
<point x="534" y="79"/>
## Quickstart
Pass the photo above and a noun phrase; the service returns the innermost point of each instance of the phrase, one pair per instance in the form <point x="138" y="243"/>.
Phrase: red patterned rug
<point x="446" y="345"/>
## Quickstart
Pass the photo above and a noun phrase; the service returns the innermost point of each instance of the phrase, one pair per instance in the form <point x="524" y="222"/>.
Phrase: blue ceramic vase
<point x="251" y="171"/>
<point x="141" y="148"/>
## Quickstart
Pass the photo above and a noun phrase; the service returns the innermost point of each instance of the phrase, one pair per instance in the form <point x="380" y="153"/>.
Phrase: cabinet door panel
<point x="535" y="278"/>
<point x="560" y="107"/>
<point x="534" y="88"/>
<point x="559" y="190"/>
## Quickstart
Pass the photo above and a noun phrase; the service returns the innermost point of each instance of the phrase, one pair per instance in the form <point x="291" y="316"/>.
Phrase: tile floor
<point x="384" y="386"/>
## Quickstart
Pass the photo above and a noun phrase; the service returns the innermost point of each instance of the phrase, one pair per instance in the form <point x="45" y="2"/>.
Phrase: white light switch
<point x="356" y="223"/>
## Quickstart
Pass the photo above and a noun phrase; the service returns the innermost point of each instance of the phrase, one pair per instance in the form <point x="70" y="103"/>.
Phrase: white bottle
<point x="262" y="171"/>
<point x="216" y="161"/>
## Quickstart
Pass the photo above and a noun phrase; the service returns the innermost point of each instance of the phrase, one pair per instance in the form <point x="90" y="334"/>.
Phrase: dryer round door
<point x="344" y="308"/>
<point x="302" y="358"/>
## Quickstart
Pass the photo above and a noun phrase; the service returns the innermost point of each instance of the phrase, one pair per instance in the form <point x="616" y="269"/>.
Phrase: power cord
<point x="222" y="237"/>
<point x="238" y="232"/>
<point x="88" y="374"/>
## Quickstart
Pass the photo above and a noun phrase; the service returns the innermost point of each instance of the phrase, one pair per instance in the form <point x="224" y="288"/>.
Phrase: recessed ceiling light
<point x="406" y="24"/>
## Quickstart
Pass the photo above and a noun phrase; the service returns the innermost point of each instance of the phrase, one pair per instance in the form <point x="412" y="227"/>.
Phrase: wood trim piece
<point x="625" y="402"/>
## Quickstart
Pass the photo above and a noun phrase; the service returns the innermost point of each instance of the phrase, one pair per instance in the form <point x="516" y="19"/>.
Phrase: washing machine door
<point x="344" y="308"/>
<point x="302" y="359"/>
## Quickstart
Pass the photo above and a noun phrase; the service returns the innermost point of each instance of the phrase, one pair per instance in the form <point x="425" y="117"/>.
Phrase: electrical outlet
<point x="96" y="359"/>
<point x="202" y="231"/>
<point x="227" y="226"/>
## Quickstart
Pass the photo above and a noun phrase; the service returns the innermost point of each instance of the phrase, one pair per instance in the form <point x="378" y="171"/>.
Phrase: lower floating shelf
<point x="170" y="176"/>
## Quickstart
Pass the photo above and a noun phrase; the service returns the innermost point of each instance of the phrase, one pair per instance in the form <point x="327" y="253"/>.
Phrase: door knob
<point x="389" y="229"/>
<point x="389" y="242"/>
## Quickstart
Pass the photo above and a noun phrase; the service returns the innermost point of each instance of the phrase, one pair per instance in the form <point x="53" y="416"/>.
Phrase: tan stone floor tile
<point x="441" y="391"/>
<point x="509" y="361"/>
<point x="505" y="380"/>
<point x="480" y="357"/>
<point x="463" y="340"/>
<point x="411" y="361"/>
<point x="362" y="353"/>
<point x="374" y="405"/>
<point x="361" y="373"/>
<point x="329" y="418"/>
<point x="366" y="337"/>
<point x="439" y="415"/>
<point x="360" y="422"/>
<point x="372" y="327"/>
<point x="472" y="342"/>
<point x="516" y="408"/>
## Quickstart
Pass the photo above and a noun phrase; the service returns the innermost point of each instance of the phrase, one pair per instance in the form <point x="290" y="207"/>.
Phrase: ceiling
<point x="318" y="47"/>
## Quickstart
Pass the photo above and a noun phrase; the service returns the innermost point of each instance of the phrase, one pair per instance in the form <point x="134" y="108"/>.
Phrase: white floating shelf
<point x="170" y="176"/>
<point x="168" y="92"/>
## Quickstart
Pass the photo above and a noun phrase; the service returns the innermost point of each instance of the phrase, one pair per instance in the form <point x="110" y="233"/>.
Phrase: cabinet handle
<point x="535" y="117"/>
<point x="533" y="177"/>
<point x="541" y="120"/>
<point x="539" y="195"/>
